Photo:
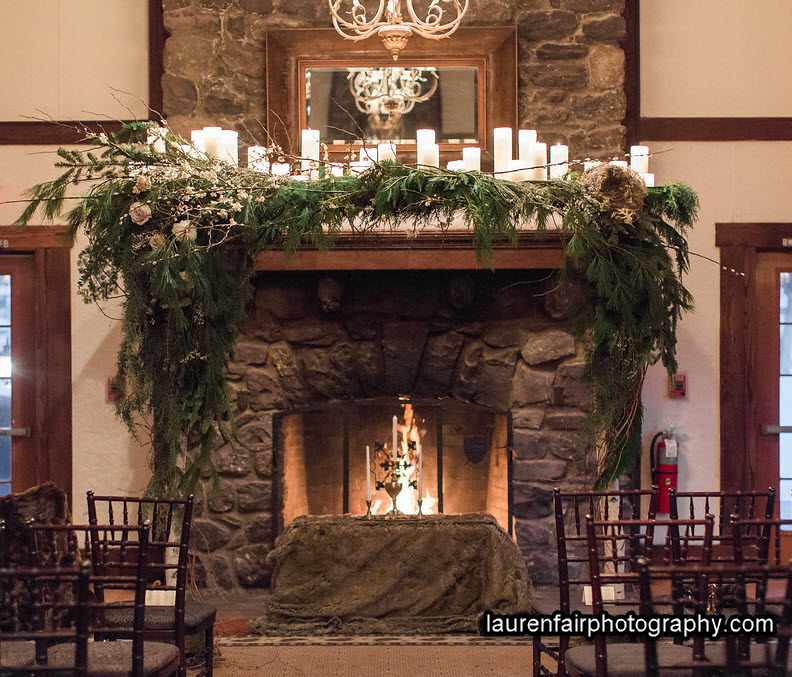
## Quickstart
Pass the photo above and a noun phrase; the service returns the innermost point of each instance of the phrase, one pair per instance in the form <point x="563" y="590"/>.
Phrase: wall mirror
<point x="351" y="91"/>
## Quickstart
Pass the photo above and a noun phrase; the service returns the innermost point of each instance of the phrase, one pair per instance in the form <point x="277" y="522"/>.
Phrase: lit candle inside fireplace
<point x="395" y="455"/>
<point x="420" y="471"/>
<point x="368" y="473"/>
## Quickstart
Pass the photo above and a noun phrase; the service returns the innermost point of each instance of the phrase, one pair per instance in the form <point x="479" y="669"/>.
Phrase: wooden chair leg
<point x="209" y="650"/>
<point x="182" y="671"/>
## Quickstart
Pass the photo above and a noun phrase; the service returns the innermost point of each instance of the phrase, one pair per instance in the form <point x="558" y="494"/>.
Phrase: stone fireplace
<point x="484" y="361"/>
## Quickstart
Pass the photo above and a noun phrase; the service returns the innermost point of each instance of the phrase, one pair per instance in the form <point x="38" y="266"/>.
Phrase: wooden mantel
<point x="450" y="250"/>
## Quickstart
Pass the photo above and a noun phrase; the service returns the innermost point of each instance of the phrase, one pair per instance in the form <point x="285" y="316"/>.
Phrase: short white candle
<point x="257" y="159"/>
<point x="559" y="157"/>
<point x="395" y="439"/>
<point x="368" y="155"/>
<point x="211" y="137"/>
<point x="590" y="164"/>
<point x="639" y="159"/>
<point x="386" y="151"/>
<point x="538" y="171"/>
<point x="502" y="149"/>
<point x="471" y="156"/>
<point x="456" y="166"/>
<point x="526" y="138"/>
<point x="368" y="473"/>
<point x="229" y="147"/>
<point x="309" y="150"/>
<point x="649" y="179"/>
<point x="619" y="163"/>
<point x="197" y="138"/>
<point x="429" y="155"/>
<point x="281" y="169"/>
<point x="358" y="167"/>
<point x="157" y="143"/>
<point x="518" y="171"/>
<point x="424" y="137"/>
<point x="336" y="169"/>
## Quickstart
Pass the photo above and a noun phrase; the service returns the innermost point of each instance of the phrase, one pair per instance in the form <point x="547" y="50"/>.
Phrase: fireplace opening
<point x="320" y="458"/>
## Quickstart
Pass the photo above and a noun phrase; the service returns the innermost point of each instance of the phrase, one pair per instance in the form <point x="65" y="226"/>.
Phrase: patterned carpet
<point x="372" y="640"/>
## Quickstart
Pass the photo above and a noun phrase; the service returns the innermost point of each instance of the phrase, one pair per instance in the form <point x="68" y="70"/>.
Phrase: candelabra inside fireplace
<point x="451" y="457"/>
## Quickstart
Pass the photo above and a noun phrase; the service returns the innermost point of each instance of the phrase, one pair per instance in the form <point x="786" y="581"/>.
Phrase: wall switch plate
<point x="677" y="386"/>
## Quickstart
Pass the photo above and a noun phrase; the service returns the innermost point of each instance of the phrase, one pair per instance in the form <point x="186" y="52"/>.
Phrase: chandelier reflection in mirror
<point x="391" y="90"/>
<point x="394" y="23"/>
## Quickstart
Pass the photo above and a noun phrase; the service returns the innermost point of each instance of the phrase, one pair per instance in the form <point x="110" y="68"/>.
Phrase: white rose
<point x="139" y="212"/>
<point x="185" y="231"/>
<point x="142" y="182"/>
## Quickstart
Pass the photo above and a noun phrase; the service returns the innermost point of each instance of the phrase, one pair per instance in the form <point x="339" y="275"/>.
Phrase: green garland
<point x="176" y="233"/>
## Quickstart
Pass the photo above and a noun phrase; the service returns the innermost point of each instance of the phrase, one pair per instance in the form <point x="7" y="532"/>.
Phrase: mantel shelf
<point x="448" y="250"/>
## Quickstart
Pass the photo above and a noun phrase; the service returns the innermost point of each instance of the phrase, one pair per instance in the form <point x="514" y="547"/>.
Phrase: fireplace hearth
<point x="484" y="361"/>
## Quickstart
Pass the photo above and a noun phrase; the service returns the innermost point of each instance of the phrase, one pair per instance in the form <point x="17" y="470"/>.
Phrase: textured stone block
<point x="605" y="29"/>
<point x="232" y="460"/>
<point x="540" y="470"/>
<point x="437" y="364"/>
<point x="260" y="529"/>
<point x="494" y="386"/>
<point x="547" y="25"/>
<point x="250" y="564"/>
<point x="207" y="535"/>
<point x="254" y="496"/>
<point x="547" y="346"/>
<point x="530" y="385"/>
<point x="532" y="501"/>
<point x="554" y="52"/>
<point x="222" y="499"/>
<point x="402" y="346"/>
<point x="531" y="417"/>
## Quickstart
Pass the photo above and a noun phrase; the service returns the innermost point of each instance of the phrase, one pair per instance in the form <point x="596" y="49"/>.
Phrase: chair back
<point x="746" y="504"/>
<point x="570" y="509"/>
<point x="118" y="557"/>
<point x="44" y="607"/>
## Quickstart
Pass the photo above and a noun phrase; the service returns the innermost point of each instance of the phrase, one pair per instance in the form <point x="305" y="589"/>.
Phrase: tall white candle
<point x="471" y="156"/>
<point x="526" y="138"/>
<point x="420" y="471"/>
<point x="649" y="179"/>
<point x="559" y="156"/>
<point x="211" y="137"/>
<point x="386" y="151"/>
<point x="424" y="137"/>
<point x="502" y="148"/>
<point x="639" y="159"/>
<point x="309" y="150"/>
<point x="229" y="147"/>
<point x="368" y="473"/>
<point x="395" y="437"/>
<point x="429" y="155"/>
<point x="538" y="172"/>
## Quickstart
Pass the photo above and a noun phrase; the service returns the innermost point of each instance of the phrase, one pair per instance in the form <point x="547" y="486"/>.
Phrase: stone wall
<point x="571" y="67"/>
<point x="488" y="338"/>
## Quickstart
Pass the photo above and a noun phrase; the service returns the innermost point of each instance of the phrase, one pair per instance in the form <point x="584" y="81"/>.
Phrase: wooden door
<point x="19" y="448"/>
<point x="772" y="340"/>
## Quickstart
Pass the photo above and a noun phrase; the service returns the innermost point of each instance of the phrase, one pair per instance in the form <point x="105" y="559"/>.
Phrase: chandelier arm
<point x="361" y="26"/>
<point x="430" y="28"/>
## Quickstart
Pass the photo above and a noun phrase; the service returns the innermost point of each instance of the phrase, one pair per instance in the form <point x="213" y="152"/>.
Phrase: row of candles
<point x="531" y="163"/>
<point x="394" y="476"/>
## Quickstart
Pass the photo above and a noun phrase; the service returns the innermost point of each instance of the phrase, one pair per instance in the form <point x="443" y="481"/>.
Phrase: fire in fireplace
<point x="320" y="458"/>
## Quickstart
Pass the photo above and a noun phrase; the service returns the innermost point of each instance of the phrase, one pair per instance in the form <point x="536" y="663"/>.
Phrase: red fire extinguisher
<point x="664" y="459"/>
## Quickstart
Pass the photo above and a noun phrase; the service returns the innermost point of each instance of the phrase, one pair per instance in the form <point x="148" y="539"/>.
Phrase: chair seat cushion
<point x="627" y="660"/>
<point x="114" y="659"/>
<point x="17" y="654"/>
<point x="547" y="601"/>
<point x="196" y="614"/>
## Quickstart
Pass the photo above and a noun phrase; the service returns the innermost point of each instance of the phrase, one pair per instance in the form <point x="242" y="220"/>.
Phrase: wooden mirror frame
<point x="493" y="49"/>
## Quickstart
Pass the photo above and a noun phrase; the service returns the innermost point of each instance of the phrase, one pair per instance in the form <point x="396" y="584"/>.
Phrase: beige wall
<point x="713" y="58"/>
<point x="63" y="57"/>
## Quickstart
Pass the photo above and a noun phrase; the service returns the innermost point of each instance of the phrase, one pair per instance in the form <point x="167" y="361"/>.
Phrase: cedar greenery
<point x="184" y="272"/>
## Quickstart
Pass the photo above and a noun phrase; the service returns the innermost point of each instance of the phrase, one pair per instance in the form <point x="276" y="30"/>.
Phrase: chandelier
<point x="394" y="24"/>
<point x="391" y="91"/>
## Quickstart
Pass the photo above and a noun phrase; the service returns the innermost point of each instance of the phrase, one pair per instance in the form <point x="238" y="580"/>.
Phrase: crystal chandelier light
<point x="391" y="90"/>
<point x="394" y="23"/>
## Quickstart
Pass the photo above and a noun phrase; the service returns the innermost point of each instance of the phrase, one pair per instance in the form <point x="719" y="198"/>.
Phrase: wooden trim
<point x="426" y="251"/>
<point x="716" y="129"/>
<point x="631" y="44"/>
<point x="753" y="235"/>
<point x="71" y="132"/>
<point x="34" y="237"/>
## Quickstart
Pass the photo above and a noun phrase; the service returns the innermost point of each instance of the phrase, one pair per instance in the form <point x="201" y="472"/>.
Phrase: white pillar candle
<point x="420" y="471"/>
<point x="639" y="159"/>
<point x="336" y="169"/>
<point x="456" y="166"/>
<point x="649" y="179"/>
<point x="590" y="164"/>
<point x="538" y="171"/>
<point x="358" y="167"/>
<point x="502" y="148"/>
<point x="386" y="151"/>
<point x="526" y="138"/>
<point x="395" y="438"/>
<point x="197" y="138"/>
<point x="559" y="157"/>
<point x="229" y="147"/>
<point x="471" y="156"/>
<point x="281" y="169"/>
<point x="157" y="143"/>
<point x="368" y="473"/>
<point x="211" y="136"/>
<point x="619" y="163"/>
<point x="518" y="171"/>
<point x="429" y="155"/>
<point x="257" y="159"/>
<point x="309" y="149"/>
<point x="424" y="137"/>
